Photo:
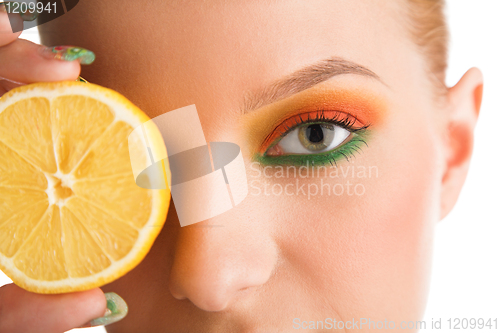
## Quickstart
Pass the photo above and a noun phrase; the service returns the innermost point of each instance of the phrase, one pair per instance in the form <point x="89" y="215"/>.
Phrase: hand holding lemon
<point x="71" y="216"/>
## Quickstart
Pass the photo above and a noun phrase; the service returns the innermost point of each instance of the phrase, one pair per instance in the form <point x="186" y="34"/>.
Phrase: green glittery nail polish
<point x="69" y="53"/>
<point x="81" y="79"/>
<point x="116" y="310"/>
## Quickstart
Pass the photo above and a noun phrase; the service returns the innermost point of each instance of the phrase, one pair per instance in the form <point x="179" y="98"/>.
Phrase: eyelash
<point x="337" y="118"/>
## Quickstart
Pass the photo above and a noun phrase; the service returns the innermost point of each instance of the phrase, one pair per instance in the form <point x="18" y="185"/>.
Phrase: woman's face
<point x="351" y="242"/>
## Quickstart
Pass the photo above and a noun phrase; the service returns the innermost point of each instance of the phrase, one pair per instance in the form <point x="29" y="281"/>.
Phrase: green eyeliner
<point x="345" y="151"/>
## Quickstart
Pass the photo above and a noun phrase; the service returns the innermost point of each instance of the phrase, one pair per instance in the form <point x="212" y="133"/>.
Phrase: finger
<point x="6" y="34"/>
<point x="27" y="62"/>
<point x="23" y="311"/>
<point x="6" y="85"/>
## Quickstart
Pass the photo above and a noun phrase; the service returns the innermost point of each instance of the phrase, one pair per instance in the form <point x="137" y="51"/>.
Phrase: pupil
<point x="314" y="133"/>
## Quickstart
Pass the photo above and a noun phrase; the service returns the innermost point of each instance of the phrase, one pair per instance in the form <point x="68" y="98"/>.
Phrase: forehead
<point x="273" y="37"/>
<point x="214" y="51"/>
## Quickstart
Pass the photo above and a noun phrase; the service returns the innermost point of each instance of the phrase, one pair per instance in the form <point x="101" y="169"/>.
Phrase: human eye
<point x="314" y="139"/>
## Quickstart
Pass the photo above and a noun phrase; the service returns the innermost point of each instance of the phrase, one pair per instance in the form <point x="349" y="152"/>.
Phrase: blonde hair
<point x="428" y="27"/>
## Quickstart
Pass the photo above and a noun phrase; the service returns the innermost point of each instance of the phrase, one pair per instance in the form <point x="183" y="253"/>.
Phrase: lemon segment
<point x="74" y="135"/>
<point x="25" y="128"/>
<point x="17" y="172"/>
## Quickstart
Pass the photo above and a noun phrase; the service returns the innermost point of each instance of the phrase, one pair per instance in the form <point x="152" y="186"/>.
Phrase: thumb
<point x="24" y="311"/>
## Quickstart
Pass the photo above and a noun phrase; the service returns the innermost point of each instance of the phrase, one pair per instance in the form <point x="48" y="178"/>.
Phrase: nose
<point x="217" y="259"/>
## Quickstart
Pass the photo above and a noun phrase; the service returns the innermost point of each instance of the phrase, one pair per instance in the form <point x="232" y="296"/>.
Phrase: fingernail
<point x="81" y="79"/>
<point x="68" y="53"/>
<point x="14" y="7"/>
<point x="116" y="310"/>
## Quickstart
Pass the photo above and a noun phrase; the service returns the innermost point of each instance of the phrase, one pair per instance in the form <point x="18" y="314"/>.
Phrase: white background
<point x="466" y="269"/>
<point x="466" y="272"/>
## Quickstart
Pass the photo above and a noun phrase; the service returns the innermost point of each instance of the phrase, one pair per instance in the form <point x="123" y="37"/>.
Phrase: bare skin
<point x="278" y="257"/>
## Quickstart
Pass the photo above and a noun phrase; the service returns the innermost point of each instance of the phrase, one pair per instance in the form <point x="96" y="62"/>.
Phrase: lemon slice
<point x="71" y="215"/>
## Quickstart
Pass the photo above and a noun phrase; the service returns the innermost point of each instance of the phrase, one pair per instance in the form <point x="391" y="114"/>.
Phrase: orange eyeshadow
<point x="361" y="107"/>
<point x="366" y="108"/>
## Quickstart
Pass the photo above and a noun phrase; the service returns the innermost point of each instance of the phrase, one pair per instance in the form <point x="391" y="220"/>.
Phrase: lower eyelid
<point x="345" y="151"/>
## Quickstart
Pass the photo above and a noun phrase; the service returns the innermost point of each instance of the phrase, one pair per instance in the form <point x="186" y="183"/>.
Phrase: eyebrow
<point x="303" y="79"/>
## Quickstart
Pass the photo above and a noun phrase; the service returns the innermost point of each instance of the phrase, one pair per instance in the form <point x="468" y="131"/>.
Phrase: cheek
<point x="369" y="253"/>
<point x="395" y="235"/>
